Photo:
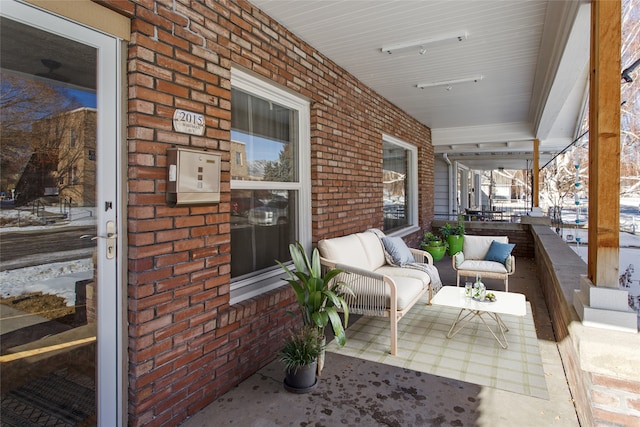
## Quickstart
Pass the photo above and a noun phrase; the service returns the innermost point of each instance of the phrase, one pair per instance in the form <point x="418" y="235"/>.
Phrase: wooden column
<point x="536" y="173"/>
<point x="604" y="143"/>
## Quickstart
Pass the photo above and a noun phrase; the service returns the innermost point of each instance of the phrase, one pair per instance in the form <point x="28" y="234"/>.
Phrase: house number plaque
<point x="188" y="122"/>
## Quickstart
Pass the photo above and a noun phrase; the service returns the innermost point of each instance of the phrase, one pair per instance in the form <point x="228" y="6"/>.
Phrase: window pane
<point x="265" y="134"/>
<point x="394" y="175"/>
<point x="263" y="223"/>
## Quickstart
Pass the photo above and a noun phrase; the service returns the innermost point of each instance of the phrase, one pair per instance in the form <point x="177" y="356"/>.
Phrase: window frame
<point x="241" y="79"/>
<point x="412" y="185"/>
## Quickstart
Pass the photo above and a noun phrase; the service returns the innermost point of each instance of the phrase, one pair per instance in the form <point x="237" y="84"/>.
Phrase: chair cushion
<point x="480" y="266"/>
<point x="398" y="249"/>
<point x="499" y="252"/>
<point x="476" y="247"/>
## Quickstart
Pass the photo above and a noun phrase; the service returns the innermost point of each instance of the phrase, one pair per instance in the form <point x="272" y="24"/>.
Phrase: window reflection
<point x="262" y="226"/>
<point x="395" y="182"/>
<point x="264" y="149"/>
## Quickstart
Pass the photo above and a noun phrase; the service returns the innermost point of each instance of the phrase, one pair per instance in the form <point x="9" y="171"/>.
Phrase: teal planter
<point x="455" y="244"/>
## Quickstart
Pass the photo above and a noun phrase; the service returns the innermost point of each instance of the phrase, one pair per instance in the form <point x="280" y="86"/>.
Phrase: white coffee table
<point x="506" y="303"/>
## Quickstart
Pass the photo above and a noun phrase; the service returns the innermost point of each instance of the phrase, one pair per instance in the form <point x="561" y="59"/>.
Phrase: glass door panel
<point x="51" y="258"/>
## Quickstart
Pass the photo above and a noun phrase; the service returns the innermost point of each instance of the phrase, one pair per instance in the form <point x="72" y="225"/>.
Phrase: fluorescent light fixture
<point x="448" y="83"/>
<point x="420" y="44"/>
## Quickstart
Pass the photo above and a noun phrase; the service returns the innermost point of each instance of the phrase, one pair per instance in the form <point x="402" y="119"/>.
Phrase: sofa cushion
<point x="373" y="249"/>
<point x="361" y="250"/>
<point x="345" y="250"/>
<point x="407" y="290"/>
<point x="480" y="265"/>
<point x="499" y="252"/>
<point x="476" y="247"/>
<point x="398" y="249"/>
<point x="395" y="272"/>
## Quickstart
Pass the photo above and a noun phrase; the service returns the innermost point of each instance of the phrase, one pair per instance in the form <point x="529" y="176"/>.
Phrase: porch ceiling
<point x="532" y="55"/>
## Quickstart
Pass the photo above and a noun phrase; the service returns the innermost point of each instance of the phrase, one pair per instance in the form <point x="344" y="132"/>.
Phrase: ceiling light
<point x="448" y="83"/>
<point x="420" y="44"/>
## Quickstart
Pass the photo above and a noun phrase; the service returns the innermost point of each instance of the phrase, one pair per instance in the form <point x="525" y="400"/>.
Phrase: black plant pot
<point x="302" y="380"/>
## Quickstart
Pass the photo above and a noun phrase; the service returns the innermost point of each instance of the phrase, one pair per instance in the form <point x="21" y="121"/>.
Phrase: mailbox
<point x="193" y="176"/>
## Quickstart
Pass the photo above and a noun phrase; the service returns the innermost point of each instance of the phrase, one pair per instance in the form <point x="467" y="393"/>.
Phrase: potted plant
<point x="434" y="245"/>
<point x="300" y="357"/>
<point x="319" y="298"/>
<point x="454" y="236"/>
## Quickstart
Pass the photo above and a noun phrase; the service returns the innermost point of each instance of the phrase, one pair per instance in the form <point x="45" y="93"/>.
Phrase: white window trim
<point x="412" y="185"/>
<point x="254" y="85"/>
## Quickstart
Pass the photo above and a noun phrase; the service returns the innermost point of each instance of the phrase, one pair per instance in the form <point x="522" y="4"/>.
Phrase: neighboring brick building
<point x="188" y="343"/>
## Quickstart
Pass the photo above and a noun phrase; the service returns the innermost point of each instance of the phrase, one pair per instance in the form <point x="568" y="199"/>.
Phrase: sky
<point x="87" y="99"/>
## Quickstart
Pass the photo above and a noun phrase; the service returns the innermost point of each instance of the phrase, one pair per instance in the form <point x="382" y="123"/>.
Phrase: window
<point x="270" y="184"/>
<point x="400" y="179"/>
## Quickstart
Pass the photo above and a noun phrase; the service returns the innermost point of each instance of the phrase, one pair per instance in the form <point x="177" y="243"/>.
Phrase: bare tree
<point x="558" y="178"/>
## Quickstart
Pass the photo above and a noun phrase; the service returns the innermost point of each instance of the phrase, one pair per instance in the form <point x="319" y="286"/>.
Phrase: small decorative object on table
<point x="490" y="296"/>
<point x="479" y="290"/>
<point x="468" y="289"/>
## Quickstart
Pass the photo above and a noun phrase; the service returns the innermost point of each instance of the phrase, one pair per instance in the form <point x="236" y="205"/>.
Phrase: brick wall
<point x="187" y="345"/>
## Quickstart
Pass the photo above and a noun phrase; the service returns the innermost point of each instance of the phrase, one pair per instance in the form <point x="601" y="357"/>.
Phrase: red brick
<point x="171" y="235"/>
<point x="615" y="383"/>
<point x="634" y="403"/>
<point x="614" y="418"/>
<point x="606" y="398"/>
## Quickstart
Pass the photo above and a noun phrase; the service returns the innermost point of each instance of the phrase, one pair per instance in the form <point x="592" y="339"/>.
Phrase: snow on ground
<point x="58" y="278"/>
<point x="24" y="220"/>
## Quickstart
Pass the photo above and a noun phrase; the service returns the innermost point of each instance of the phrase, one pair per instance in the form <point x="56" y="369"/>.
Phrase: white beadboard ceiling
<point x="532" y="55"/>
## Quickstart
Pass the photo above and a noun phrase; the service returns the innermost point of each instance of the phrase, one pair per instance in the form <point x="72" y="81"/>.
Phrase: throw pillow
<point x="499" y="252"/>
<point x="397" y="248"/>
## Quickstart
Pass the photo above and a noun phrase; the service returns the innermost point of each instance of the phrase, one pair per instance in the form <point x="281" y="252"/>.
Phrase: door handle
<point x="110" y="239"/>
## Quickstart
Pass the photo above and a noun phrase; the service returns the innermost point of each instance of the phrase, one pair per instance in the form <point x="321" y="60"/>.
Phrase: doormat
<point x="473" y="355"/>
<point x="60" y="399"/>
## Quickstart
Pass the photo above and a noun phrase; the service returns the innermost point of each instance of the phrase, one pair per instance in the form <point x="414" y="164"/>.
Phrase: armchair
<point x="488" y="256"/>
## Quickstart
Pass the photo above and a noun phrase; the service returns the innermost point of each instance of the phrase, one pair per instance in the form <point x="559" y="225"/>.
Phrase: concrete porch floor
<point x="355" y="392"/>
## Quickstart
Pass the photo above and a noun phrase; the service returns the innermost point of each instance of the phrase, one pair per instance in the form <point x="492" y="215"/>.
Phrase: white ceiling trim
<point x="484" y="134"/>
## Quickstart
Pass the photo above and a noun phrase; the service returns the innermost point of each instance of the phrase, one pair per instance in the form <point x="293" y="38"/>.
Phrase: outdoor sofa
<point x="386" y="277"/>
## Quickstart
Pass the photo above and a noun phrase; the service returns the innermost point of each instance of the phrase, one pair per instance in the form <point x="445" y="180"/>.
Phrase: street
<point x="27" y="248"/>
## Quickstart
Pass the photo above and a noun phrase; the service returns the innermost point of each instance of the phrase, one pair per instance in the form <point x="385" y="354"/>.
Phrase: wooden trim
<point x="42" y="350"/>
<point x="89" y="13"/>
<point x="604" y="143"/>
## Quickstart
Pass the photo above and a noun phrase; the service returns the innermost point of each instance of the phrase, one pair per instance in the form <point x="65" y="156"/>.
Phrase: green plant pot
<point x="437" y="252"/>
<point x="455" y="244"/>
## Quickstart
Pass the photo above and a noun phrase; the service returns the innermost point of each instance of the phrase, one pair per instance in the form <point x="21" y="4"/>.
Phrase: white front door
<point x="60" y="267"/>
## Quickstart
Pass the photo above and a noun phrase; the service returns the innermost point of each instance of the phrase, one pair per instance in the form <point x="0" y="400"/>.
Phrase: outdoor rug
<point x="473" y="355"/>
<point x="59" y="399"/>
